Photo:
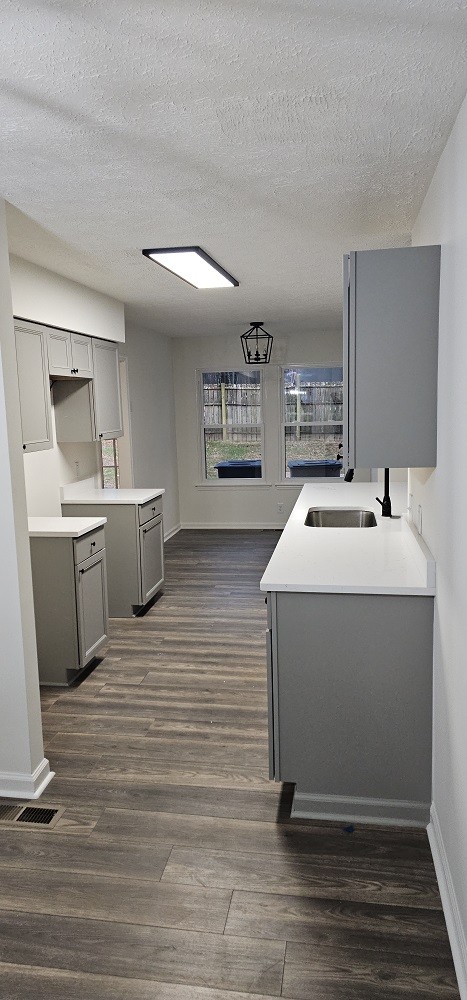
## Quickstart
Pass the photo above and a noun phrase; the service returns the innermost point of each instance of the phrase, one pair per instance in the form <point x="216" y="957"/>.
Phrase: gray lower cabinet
<point x="151" y="547"/>
<point x="70" y="603"/>
<point x="350" y="703"/>
<point x="135" y="551"/>
<point x="33" y="383"/>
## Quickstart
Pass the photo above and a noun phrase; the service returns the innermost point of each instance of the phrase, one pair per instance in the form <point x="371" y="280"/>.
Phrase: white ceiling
<point x="276" y="134"/>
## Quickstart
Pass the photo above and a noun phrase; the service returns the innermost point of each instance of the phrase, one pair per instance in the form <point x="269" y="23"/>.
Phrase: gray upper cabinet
<point x="391" y="308"/>
<point x="59" y="342"/>
<point x="87" y="411"/>
<point x="106" y="389"/>
<point x="34" y="389"/>
<point x="70" y="354"/>
<point x="81" y="355"/>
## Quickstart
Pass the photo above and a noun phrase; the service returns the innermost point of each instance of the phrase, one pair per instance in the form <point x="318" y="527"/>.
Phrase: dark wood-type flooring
<point x="174" y="872"/>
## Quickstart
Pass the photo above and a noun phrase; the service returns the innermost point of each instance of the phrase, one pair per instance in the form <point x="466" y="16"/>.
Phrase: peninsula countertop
<point x="63" y="527"/>
<point x="390" y="558"/>
<point x="108" y="496"/>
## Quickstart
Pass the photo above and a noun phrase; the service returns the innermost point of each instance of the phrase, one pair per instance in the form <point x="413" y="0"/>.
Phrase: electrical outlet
<point x="410" y="507"/>
<point x="280" y="508"/>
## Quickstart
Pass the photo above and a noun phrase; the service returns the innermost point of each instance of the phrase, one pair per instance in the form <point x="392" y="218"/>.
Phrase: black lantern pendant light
<point x="257" y="344"/>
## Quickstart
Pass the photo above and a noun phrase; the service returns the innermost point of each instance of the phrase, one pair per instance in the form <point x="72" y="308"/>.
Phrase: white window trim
<point x="226" y="483"/>
<point x="116" y="466"/>
<point x="298" y="480"/>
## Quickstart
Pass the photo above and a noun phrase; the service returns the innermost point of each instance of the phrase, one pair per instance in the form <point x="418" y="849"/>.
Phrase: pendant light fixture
<point x="256" y="344"/>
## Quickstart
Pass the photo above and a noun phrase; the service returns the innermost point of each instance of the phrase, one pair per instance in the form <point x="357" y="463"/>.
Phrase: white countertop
<point x="63" y="527"/>
<point x="110" y="496"/>
<point x="390" y="558"/>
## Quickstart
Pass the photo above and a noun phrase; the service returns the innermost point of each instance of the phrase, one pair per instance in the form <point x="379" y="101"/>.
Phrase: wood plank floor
<point x="175" y="872"/>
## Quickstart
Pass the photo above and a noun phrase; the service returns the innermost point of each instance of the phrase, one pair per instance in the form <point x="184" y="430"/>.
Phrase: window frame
<point x="115" y="466"/>
<point x="300" y="480"/>
<point x="225" y="483"/>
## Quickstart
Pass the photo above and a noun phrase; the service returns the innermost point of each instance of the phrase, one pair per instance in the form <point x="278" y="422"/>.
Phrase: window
<point x="110" y="469"/>
<point x="231" y="425"/>
<point x="312" y="421"/>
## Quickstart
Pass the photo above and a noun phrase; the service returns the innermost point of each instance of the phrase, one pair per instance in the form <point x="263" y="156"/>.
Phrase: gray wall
<point x="442" y="492"/>
<point x="152" y="413"/>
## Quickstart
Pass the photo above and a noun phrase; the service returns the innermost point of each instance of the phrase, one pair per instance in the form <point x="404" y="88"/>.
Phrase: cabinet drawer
<point x="89" y="544"/>
<point x="147" y="511"/>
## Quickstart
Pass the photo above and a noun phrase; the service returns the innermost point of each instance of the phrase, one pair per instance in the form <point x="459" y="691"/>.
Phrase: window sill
<point x="287" y="484"/>
<point x="225" y="483"/>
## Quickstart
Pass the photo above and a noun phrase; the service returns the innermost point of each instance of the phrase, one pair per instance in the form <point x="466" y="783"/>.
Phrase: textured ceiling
<point x="275" y="134"/>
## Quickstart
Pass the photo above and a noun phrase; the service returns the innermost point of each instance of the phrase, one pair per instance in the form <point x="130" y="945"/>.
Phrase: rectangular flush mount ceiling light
<point x="193" y="265"/>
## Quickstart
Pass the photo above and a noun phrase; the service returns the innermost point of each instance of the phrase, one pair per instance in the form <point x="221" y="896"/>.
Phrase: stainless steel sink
<point x="340" y="517"/>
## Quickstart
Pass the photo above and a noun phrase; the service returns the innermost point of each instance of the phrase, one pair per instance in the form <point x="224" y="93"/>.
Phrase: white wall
<point x="252" y="505"/>
<point x="442" y="493"/>
<point x="45" y="297"/>
<point x="152" y="411"/>
<point x="23" y="768"/>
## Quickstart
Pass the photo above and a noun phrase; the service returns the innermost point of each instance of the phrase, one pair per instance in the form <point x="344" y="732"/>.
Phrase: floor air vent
<point x="37" y="814"/>
<point x="12" y="813"/>
<point x="9" y="813"/>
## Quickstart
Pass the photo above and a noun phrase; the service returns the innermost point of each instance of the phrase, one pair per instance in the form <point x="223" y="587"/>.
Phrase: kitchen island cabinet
<point x="349" y="649"/>
<point x="70" y="594"/>
<point x="134" y="543"/>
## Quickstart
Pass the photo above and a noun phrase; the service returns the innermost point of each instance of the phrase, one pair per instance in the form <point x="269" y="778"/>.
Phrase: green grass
<point x="228" y="451"/>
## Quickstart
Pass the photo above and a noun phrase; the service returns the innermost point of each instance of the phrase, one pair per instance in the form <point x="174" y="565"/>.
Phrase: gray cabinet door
<point x="106" y="390"/>
<point x="151" y="543"/>
<point x="59" y="345"/>
<point x="34" y="389"/>
<point x="391" y="307"/>
<point x="70" y="354"/>
<point x="81" y="355"/>
<point x="91" y="598"/>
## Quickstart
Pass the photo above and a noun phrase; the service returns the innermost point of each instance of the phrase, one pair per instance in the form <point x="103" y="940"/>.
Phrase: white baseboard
<point x="192" y="526"/>
<point x="384" y="812"/>
<point x="456" y="932"/>
<point x="26" y="786"/>
<point x="173" y="531"/>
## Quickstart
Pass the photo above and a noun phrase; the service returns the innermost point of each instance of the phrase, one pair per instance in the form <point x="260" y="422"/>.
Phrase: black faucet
<point x="386" y="501"/>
